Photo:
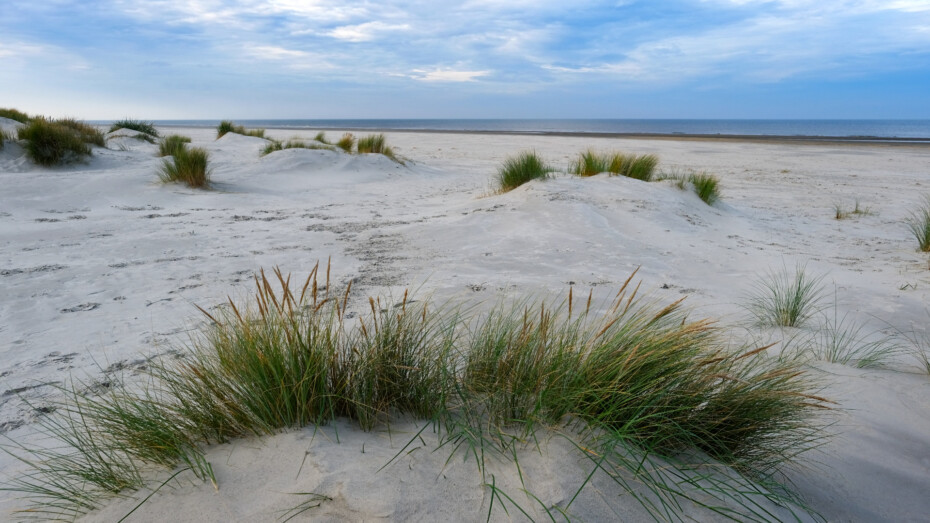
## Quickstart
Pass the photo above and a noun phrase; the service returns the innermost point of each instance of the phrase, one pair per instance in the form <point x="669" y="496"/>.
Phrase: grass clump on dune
<point x="654" y="397"/>
<point x="919" y="224"/>
<point x="227" y="126"/>
<point x="146" y="128"/>
<point x="376" y="144"/>
<point x="784" y="299"/>
<point x="52" y="142"/>
<point x="706" y="186"/>
<point x="171" y="145"/>
<point x="590" y="163"/>
<point x="321" y="137"/>
<point x="517" y="170"/>
<point x="346" y="143"/>
<point x="277" y="145"/>
<point x="14" y="114"/>
<point x="188" y="166"/>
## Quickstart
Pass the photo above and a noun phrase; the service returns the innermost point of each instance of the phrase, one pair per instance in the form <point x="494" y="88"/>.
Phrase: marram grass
<point x="227" y="126"/>
<point x="147" y="128"/>
<point x="517" y="170"/>
<point x="187" y="166"/>
<point x="786" y="299"/>
<point x="590" y="163"/>
<point x="53" y="142"/>
<point x="277" y="145"/>
<point x="14" y="114"/>
<point x="652" y="397"/>
<point x="347" y="142"/>
<point x="919" y="224"/>
<point x="376" y="144"/>
<point x="172" y="145"/>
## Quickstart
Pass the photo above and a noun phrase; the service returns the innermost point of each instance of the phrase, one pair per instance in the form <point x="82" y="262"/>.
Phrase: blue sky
<point x="244" y="59"/>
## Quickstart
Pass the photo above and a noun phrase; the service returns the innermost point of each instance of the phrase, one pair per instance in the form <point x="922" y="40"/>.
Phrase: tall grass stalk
<point x="188" y="166"/>
<point x="653" y="398"/>
<point x="785" y="299"/>
<point x="919" y="224"/>
<point x="517" y="170"/>
<point x="171" y="145"/>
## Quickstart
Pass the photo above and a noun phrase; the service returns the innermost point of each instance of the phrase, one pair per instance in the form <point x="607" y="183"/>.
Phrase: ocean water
<point x="884" y="129"/>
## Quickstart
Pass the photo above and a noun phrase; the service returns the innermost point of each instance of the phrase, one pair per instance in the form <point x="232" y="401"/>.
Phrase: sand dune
<point x="101" y="266"/>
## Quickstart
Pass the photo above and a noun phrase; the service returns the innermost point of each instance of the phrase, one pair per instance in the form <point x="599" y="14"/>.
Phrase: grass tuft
<point x="786" y="300"/>
<point x="517" y="170"/>
<point x="919" y="223"/>
<point x="188" y="166"/>
<point x="171" y="145"/>
<point x="147" y="128"/>
<point x="14" y="114"/>
<point x="377" y="144"/>
<point x="706" y="186"/>
<point x="52" y="142"/>
<point x="346" y="143"/>
<point x="277" y="145"/>
<point x="655" y="399"/>
<point x="590" y="163"/>
<point x="321" y="137"/>
<point x="227" y="126"/>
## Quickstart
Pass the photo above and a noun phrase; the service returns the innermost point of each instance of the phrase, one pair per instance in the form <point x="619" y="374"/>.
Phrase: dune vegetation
<point x="347" y="142"/>
<point x="187" y="166"/>
<point x="227" y="126"/>
<point x="53" y="142"/>
<point x="14" y="114"/>
<point x="171" y="144"/>
<point x="590" y="163"/>
<point x="146" y="128"/>
<point x="277" y="145"/>
<point x="517" y="170"/>
<point x="649" y="396"/>
<point x="919" y="224"/>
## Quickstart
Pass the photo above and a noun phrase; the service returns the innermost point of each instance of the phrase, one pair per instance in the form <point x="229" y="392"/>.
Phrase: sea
<point x="884" y="130"/>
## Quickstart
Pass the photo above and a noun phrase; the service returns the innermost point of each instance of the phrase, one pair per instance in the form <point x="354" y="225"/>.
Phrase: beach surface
<point x="101" y="267"/>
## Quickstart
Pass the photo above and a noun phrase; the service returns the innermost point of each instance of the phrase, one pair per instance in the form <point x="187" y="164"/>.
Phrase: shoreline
<point x="742" y="138"/>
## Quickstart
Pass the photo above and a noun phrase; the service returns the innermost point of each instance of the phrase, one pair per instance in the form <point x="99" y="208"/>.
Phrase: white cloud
<point x="447" y="75"/>
<point x="366" y="32"/>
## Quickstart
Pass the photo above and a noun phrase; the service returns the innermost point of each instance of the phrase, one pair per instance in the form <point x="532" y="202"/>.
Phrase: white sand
<point x="102" y="264"/>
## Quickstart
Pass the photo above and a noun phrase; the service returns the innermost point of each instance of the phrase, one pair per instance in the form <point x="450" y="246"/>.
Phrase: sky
<point x="257" y="59"/>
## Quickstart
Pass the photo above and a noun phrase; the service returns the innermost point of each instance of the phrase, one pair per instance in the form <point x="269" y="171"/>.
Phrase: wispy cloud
<point x="368" y="31"/>
<point x="447" y="75"/>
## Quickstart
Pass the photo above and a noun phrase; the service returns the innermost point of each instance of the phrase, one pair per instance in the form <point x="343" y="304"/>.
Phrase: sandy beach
<point x="102" y="265"/>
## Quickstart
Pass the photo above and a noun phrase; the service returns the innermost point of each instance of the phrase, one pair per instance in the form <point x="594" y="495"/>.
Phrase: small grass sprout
<point x="146" y="128"/>
<point x="842" y="213"/>
<point x="14" y="114"/>
<point x="226" y="126"/>
<point x="346" y="143"/>
<point x="52" y="142"/>
<point x="188" y="166"/>
<point x="519" y="169"/>
<point x="919" y="224"/>
<point x="785" y="299"/>
<point x="173" y="143"/>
